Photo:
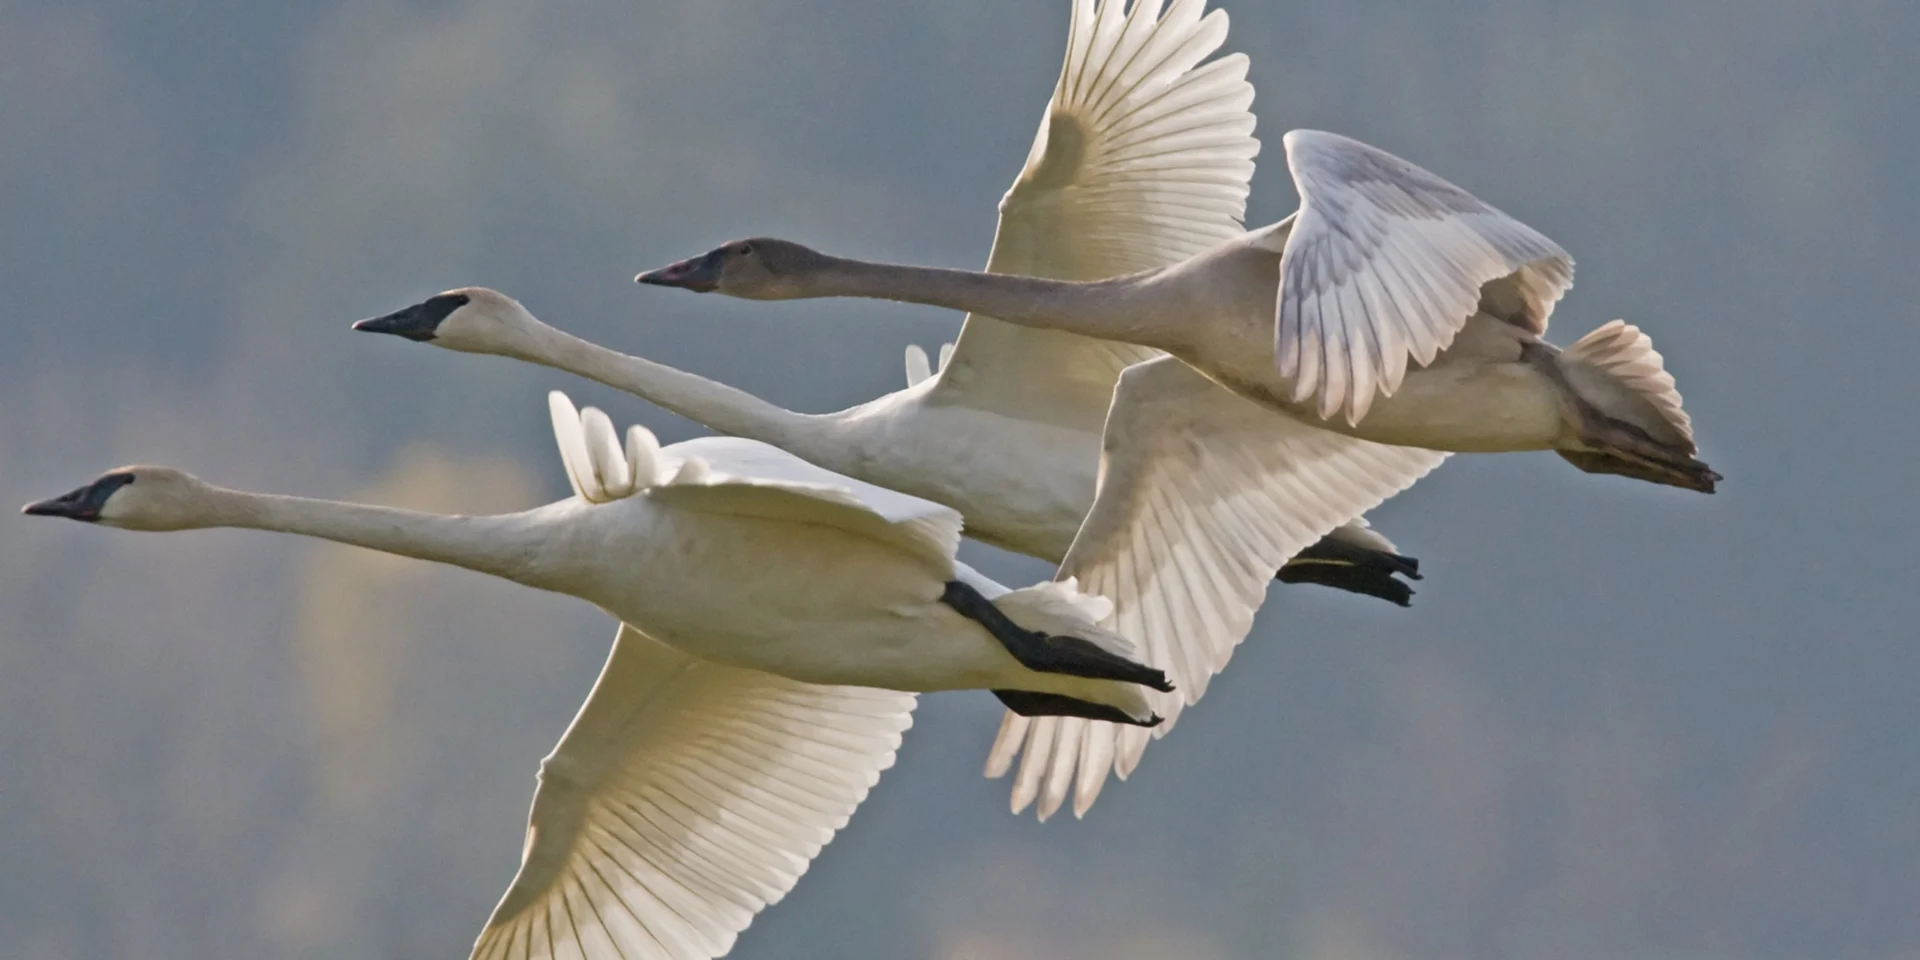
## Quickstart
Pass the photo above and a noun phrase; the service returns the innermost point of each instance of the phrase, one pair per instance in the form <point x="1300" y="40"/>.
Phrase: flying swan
<point x="1317" y="316"/>
<point x="770" y="613"/>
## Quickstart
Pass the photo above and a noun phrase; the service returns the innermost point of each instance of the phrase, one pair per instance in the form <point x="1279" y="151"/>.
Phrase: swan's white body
<point x="743" y="554"/>
<point x="740" y="717"/>
<point x="1143" y="158"/>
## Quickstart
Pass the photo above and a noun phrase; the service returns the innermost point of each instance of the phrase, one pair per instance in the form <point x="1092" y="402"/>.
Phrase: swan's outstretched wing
<point x="1202" y="496"/>
<point x="1386" y="261"/>
<point x="685" y="798"/>
<point x="1142" y="160"/>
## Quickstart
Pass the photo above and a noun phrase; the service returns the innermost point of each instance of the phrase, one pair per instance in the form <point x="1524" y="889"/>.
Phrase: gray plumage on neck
<point x="1124" y="308"/>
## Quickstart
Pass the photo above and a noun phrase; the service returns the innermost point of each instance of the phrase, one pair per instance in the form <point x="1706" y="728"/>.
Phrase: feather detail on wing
<point x="1142" y="159"/>
<point x="1386" y="262"/>
<point x="918" y="366"/>
<point x="1203" y="494"/>
<point x="685" y="798"/>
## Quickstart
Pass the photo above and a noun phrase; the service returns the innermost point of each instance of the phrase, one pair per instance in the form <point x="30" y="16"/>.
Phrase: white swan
<point x="1319" y="314"/>
<point x="1143" y="158"/>
<point x="769" y="611"/>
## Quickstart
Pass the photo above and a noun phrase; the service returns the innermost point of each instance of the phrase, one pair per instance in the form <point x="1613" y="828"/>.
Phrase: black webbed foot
<point x="1353" y="568"/>
<point x="1029" y="704"/>
<point x="1050" y="653"/>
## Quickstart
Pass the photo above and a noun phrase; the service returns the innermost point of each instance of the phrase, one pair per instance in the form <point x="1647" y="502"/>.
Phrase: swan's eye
<point x="746" y="249"/>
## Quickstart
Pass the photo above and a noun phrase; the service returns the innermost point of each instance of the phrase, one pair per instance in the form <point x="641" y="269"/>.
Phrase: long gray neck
<point x="522" y="547"/>
<point x="1122" y="308"/>
<point x="716" y="406"/>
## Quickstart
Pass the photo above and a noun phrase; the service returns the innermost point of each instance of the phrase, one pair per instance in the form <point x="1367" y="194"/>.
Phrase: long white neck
<point x="1124" y="308"/>
<point x="716" y="406"/>
<point x="522" y="547"/>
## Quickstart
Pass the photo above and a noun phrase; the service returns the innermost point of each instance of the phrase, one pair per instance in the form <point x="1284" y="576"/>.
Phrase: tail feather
<point x="1617" y="367"/>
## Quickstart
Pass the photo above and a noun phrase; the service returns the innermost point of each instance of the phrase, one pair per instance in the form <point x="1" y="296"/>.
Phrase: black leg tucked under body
<point x="1353" y="568"/>
<point x="1029" y="704"/>
<point x="1047" y="653"/>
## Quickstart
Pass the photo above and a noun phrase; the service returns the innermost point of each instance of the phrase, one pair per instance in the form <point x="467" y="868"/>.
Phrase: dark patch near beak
<point x="418" y="322"/>
<point x="83" y="504"/>
<point x="699" y="274"/>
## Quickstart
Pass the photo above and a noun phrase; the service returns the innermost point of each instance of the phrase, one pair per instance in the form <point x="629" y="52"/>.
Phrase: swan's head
<point x="470" y="319"/>
<point x="760" y="268"/>
<point x="134" y="498"/>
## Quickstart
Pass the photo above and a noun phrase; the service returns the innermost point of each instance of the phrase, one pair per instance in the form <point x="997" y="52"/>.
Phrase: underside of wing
<point x="1386" y="262"/>
<point x="1203" y="495"/>
<point x="1142" y="160"/>
<point x="685" y="798"/>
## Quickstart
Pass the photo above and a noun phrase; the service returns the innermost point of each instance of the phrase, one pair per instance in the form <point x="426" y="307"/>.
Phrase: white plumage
<point x="1202" y="493"/>
<point x="1386" y="261"/>
<point x="774" y="619"/>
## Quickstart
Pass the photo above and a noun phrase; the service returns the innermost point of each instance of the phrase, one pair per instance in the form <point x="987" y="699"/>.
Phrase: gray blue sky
<point x="1620" y="721"/>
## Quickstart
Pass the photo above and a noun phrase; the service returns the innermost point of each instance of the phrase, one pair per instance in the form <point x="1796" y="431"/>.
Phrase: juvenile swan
<point x="769" y="612"/>
<point x="1317" y="316"/>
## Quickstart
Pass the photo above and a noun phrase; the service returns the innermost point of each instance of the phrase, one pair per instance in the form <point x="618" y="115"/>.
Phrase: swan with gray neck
<point x="1319" y="314"/>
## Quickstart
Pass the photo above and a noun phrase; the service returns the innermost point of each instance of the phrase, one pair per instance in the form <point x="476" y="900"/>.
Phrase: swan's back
<point x="733" y="476"/>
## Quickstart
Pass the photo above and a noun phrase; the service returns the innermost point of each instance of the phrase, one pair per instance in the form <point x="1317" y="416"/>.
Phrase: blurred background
<point x="1620" y="720"/>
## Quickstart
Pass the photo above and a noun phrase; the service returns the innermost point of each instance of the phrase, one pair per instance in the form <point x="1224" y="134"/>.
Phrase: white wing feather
<point x="1386" y="261"/>
<point x="918" y="368"/>
<point x="685" y="798"/>
<point x="1202" y="496"/>
<point x="1142" y="159"/>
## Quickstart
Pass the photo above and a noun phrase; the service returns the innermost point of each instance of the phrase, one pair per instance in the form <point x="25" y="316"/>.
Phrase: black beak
<point x="418" y="322"/>
<point x="83" y="504"/>
<point x="700" y="274"/>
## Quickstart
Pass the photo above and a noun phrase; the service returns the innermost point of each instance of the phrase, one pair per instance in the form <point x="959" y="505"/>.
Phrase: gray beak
<point x="700" y="274"/>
